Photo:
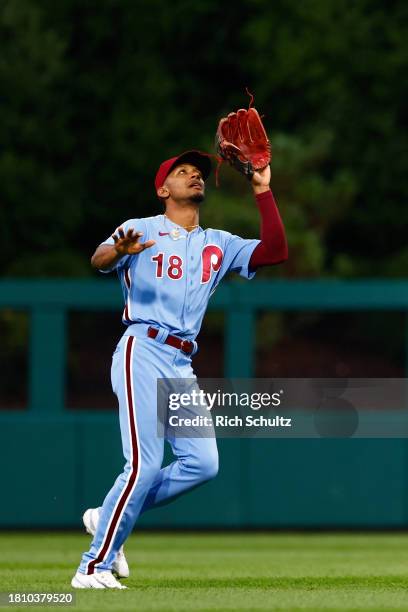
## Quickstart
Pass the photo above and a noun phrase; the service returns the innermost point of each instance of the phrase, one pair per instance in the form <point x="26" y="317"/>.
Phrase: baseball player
<point x="168" y="268"/>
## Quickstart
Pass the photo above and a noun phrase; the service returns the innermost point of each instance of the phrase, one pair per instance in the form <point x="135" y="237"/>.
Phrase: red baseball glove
<point x="241" y="140"/>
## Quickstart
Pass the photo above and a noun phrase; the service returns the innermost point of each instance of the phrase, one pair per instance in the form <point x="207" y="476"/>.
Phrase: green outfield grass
<point x="219" y="571"/>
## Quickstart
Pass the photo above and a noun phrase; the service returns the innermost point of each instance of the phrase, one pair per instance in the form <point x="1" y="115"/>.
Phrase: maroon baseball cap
<point x="196" y="158"/>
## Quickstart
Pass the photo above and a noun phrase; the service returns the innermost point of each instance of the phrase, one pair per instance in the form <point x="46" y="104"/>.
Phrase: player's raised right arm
<point x="107" y="256"/>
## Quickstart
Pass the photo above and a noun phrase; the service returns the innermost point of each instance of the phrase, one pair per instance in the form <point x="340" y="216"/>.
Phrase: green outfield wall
<point x="57" y="462"/>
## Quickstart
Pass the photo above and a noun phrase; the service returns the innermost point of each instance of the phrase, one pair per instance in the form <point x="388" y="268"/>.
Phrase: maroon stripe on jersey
<point x="127" y="278"/>
<point x="135" y="460"/>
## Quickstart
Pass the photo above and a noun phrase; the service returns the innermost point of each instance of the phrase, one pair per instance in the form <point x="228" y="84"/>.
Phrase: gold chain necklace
<point x="183" y="226"/>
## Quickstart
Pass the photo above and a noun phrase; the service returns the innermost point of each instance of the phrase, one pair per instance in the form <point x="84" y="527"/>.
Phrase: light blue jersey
<point x="168" y="287"/>
<point x="169" y="284"/>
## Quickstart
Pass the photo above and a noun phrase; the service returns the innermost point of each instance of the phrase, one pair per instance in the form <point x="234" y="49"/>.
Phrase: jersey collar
<point x="168" y="223"/>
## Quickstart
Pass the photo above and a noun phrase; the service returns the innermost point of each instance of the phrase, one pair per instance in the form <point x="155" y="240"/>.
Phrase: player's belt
<point x="184" y="345"/>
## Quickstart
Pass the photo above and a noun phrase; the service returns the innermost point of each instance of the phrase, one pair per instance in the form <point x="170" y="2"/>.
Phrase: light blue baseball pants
<point x="137" y="363"/>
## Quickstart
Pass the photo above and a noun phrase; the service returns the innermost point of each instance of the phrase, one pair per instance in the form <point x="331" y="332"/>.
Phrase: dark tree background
<point x="95" y="94"/>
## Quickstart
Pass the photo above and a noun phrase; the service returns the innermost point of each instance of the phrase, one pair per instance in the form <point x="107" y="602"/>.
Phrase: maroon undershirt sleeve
<point x="273" y="248"/>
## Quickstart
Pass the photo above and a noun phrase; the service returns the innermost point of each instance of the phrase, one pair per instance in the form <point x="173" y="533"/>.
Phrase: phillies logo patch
<point x="211" y="261"/>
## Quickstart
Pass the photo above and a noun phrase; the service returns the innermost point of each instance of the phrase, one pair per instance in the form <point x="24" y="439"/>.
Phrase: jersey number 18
<point x="211" y="259"/>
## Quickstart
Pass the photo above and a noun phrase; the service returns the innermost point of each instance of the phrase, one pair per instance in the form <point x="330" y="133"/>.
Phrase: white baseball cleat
<point x="90" y="520"/>
<point x="98" y="580"/>
<point x="120" y="565"/>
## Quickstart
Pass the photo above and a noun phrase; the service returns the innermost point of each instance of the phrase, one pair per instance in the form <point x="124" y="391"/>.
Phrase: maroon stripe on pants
<point x="135" y="462"/>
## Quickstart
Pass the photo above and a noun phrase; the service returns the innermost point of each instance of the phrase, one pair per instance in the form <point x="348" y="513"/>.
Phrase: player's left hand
<point x="261" y="179"/>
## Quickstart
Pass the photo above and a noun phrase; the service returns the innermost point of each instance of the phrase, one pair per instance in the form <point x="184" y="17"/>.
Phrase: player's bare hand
<point x="129" y="243"/>
<point x="262" y="178"/>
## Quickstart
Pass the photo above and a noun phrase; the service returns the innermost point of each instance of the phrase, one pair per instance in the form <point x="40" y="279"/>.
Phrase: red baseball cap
<point x="196" y="158"/>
